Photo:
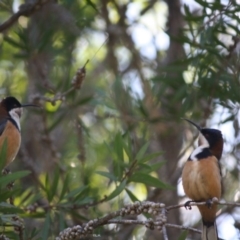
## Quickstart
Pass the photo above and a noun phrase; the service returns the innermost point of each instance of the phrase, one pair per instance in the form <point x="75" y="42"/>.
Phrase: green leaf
<point x="32" y="234"/>
<point x="9" y="208"/>
<point x="79" y="200"/>
<point x="61" y="220"/>
<point x="76" y="215"/>
<point x="8" y="219"/>
<point x="4" y="180"/>
<point x="141" y="177"/>
<point x="75" y="192"/>
<point x="28" y="197"/>
<point x="118" y="163"/>
<point x="14" y="43"/>
<point x="142" y="151"/>
<point x="144" y="168"/>
<point x="85" y="100"/>
<point x="80" y="197"/>
<point x="128" y="147"/>
<point x="118" y="146"/>
<point x="117" y="190"/>
<point x="93" y="5"/>
<point x="183" y="235"/>
<point x="158" y="165"/>
<point x="65" y="187"/>
<point x="150" y="157"/>
<point x="46" y="187"/>
<point x="6" y="194"/>
<point x="57" y="121"/>
<point x="53" y="188"/>
<point x="131" y="195"/>
<point x="40" y="215"/>
<point x="107" y="175"/>
<point x="46" y="226"/>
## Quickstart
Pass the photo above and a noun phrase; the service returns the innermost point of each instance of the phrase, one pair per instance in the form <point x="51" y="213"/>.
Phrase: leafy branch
<point x="157" y="210"/>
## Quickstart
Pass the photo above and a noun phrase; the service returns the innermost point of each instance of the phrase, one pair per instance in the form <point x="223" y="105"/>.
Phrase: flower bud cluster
<point x="142" y="207"/>
<point x="160" y="221"/>
<point x="3" y="237"/>
<point x="78" y="232"/>
<point x="32" y="208"/>
<point x="19" y="223"/>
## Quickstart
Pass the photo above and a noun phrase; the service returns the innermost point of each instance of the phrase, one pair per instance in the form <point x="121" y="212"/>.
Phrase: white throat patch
<point x="199" y="149"/>
<point x="15" y="114"/>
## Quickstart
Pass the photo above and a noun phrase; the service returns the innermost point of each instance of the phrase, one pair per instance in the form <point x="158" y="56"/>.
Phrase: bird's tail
<point x="209" y="231"/>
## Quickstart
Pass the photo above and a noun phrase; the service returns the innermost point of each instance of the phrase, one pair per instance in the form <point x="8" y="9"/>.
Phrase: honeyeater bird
<point x="10" y="112"/>
<point x="201" y="177"/>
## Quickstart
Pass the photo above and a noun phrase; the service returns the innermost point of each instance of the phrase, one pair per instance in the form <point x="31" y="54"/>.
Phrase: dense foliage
<point x="114" y="78"/>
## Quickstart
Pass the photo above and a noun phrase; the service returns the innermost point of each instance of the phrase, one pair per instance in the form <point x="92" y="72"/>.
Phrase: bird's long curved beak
<point x="29" y="105"/>
<point x="194" y="124"/>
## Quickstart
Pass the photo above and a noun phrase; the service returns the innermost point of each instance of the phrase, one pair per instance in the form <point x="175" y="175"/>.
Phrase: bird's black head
<point x="10" y="103"/>
<point x="214" y="138"/>
<point x="212" y="135"/>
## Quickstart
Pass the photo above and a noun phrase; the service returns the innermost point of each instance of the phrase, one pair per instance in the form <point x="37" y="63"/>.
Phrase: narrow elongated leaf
<point x="158" y="165"/>
<point x="82" y="195"/>
<point x="127" y="145"/>
<point x="117" y="190"/>
<point x="33" y="233"/>
<point x="148" y="180"/>
<point x="46" y="226"/>
<point x="8" y="219"/>
<point x="183" y="235"/>
<point x="4" y="180"/>
<point x="107" y="175"/>
<point x="119" y="146"/>
<point x="131" y="195"/>
<point x="145" y="167"/>
<point x="47" y="187"/>
<point x="57" y="121"/>
<point x="54" y="186"/>
<point x="65" y="187"/>
<point x="85" y="100"/>
<point x="75" y="192"/>
<point x="13" y="42"/>
<point x="6" y="194"/>
<point x="142" y="151"/>
<point x="9" y="208"/>
<point x="61" y="220"/>
<point x="149" y="157"/>
<point x="93" y="5"/>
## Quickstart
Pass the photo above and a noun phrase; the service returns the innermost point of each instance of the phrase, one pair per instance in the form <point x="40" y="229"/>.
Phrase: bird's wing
<point x="3" y="123"/>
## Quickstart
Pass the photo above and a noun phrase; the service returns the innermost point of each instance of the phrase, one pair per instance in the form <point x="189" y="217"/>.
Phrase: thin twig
<point x="24" y="10"/>
<point x="77" y="82"/>
<point x="164" y="230"/>
<point x="169" y="225"/>
<point x="155" y="209"/>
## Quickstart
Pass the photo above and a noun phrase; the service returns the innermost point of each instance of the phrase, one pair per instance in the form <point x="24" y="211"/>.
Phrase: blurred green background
<point x="151" y="63"/>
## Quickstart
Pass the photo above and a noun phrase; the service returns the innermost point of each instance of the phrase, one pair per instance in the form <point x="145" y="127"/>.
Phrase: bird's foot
<point x="209" y="203"/>
<point x="6" y="171"/>
<point x="187" y="204"/>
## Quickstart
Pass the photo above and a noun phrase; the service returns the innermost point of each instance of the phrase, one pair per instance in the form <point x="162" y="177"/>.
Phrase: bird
<point x="201" y="177"/>
<point x="10" y="130"/>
